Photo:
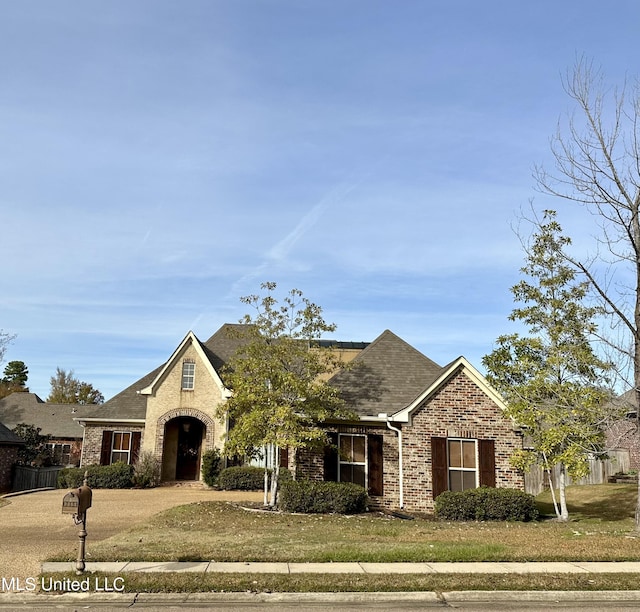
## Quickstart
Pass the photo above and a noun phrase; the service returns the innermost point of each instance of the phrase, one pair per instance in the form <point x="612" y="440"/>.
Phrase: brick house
<point x="54" y="420"/>
<point x="421" y="428"/>
<point x="623" y="433"/>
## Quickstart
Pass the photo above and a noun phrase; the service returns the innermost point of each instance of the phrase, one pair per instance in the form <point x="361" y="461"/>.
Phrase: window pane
<point x="358" y="449"/>
<point x="117" y="441"/>
<point x="119" y="456"/>
<point x="455" y="480"/>
<point x="345" y="448"/>
<point x="468" y="480"/>
<point x="358" y="475"/>
<point x="455" y="456"/>
<point x="469" y="453"/>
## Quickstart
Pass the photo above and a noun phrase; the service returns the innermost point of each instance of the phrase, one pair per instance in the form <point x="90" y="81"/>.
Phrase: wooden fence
<point x="536" y="481"/>
<point x="26" y="478"/>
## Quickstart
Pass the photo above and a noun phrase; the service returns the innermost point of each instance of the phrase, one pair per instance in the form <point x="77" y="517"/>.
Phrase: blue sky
<point x="158" y="160"/>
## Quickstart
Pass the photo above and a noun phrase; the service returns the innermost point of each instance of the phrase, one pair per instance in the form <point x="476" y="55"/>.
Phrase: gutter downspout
<point x="400" y="466"/>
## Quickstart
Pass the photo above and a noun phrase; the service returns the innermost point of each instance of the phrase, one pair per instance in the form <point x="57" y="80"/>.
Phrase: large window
<point x="463" y="464"/>
<point x="188" y="375"/>
<point x="353" y="459"/>
<point x="121" y="447"/>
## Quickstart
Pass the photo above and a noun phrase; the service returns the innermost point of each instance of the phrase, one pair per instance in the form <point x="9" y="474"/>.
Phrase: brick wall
<point x="92" y="444"/>
<point x="459" y="409"/>
<point x="624" y="435"/>
<point x="8" y="456"/>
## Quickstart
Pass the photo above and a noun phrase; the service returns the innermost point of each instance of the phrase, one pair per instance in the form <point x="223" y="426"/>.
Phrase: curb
<point x="426" y="598"/>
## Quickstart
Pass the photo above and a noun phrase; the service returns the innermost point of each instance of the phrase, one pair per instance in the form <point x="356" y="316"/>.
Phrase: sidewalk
<point x="627" y="567"/>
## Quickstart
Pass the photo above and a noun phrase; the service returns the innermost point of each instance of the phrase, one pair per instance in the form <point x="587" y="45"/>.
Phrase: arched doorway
<point x="182" y="450"/>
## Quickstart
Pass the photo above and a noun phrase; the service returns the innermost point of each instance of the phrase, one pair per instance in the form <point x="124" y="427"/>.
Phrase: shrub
<point x="242" y="478"/>
<point x="486" y="504"/>
<point x="146" y="472"/>
<point x="211" y="463"/>
<point x="115" y="476"/>
<point x="316" y="497"/>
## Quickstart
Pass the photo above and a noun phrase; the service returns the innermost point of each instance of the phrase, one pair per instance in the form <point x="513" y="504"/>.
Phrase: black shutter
<point x="331" y="458"/>
<point x="284" y="457"/>
<point x="375" y="464"/>
<point x="487" y="455"/>
<point x="439" y="468"/>
<point x="135" y="446"/>
<point x="105" y="449"/>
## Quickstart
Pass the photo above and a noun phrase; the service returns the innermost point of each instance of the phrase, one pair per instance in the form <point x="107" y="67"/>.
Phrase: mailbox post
<point x="77" y="502"/>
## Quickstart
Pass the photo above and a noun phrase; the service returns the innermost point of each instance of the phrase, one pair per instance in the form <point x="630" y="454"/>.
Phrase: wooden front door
<point x="189" y="445"/>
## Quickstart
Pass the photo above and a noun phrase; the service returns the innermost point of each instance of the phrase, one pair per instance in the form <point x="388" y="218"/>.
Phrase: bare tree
<point x="5" y="340"/>
<point x="597" y="165"/>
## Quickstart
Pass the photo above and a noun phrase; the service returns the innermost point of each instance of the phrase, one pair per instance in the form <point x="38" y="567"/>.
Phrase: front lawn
<point x="206" y="531"/>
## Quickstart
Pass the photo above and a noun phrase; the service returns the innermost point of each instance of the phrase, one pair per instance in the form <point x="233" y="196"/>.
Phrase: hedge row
<point x="317" y="497"/>
<point x="486" y="504"/>
<point x="115" y="476"/>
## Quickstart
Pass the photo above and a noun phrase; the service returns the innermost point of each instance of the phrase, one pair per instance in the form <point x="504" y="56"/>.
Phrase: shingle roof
<point x="128" y="404"/>
<point x="222" y="346"/>
<point x="53" y="419"/>
<point x="8" y="438"/>
<point x="386" y="376"/>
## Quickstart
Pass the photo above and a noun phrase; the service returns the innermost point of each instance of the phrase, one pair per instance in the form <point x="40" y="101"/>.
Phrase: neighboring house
<point x="9" y="446"/>
<point x="624" y="434"/>
<point x="54" y="420"/>
<point x="421" y="428"/>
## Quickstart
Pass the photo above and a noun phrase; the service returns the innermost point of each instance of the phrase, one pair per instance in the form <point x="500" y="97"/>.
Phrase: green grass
<point x="217" y="531"/>
<point x="600" y="529"/>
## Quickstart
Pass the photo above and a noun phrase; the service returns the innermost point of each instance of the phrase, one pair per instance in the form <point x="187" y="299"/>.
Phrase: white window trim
<point x="476" y="469"/>
<point x="365" y="463"/>
<point x="121" y="450"/>
<point x="190" y="377"/>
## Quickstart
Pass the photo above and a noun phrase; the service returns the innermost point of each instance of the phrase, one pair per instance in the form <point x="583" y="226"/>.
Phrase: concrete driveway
<point x="32" y="526"/>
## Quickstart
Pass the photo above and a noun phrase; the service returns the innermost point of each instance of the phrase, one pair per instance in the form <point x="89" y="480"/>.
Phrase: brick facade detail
<point x="93" y="440"/>
<point x="460" y="409"/>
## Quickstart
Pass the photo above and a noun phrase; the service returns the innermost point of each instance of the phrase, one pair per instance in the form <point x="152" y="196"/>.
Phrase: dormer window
<point x="188" y="375"/>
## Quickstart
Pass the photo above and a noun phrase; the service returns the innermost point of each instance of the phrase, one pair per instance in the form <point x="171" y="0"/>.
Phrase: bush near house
<point x="241" y="478"/>
<point x="486" y="504"/>
<point x="146" y="473"/>
<point x="211" y="464"/>
<point x="115" y="476"/>
<point x="317" y="497"/>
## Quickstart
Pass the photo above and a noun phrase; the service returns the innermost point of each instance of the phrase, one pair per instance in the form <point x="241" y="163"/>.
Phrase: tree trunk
<point x="266" y="486"/>
<point x="562" y="486"/>
<point x="274" y="485"/>
<point x="553" y="494"/>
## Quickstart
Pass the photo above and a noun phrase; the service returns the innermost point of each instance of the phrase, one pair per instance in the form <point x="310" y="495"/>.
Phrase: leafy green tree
<point x="16" y="374"/>
<point x="67" y="389"/>
<point x="280" y="396"/>
<point x="35" y="451"/>
<point x="552" y="380"/>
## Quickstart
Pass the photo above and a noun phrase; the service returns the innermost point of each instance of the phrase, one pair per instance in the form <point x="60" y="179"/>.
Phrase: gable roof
<point x="55" y="420"/>
<point x="206" y="356"/>
<point x="458" y="365"/>
<point x="385" y="377"/>
<point x="8" y="438"/>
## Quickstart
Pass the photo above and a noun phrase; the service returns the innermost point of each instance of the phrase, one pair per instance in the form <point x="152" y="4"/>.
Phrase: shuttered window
<point x="355" y="458"/>
<point x="458" y="464"/>
<point x="121" y="446"/>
